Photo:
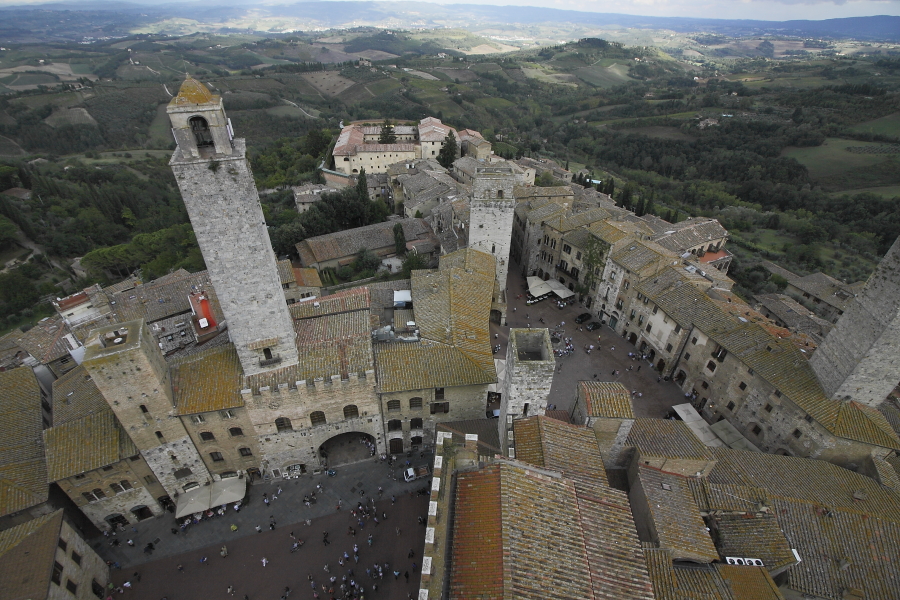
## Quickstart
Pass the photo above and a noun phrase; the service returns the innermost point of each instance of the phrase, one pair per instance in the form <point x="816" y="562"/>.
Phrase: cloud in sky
<point x="767" y="10"/>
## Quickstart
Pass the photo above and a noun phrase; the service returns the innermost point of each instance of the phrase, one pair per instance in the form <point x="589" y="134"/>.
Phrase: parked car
<point x="583" y="317"/>
<point x="413" y="473"/>
<point x="593" y="325"/>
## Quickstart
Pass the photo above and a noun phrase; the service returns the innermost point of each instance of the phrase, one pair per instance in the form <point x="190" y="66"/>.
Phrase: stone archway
<point x="141" y="512"/>
<point x="346" y="448"/>
<point x="632" y="339"/>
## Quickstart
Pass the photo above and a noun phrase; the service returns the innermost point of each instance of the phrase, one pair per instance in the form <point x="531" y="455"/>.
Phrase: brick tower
<point x="859" y="358"/>
<point x="130" y="371"/>
<point x="491" y="218"/>
<point x="214" y="177"/>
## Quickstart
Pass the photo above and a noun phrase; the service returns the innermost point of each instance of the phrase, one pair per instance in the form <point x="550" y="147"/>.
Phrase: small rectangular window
<point x="62" y="544"/>
<point x="808" y="419"/>
<point x="649" y="327"/>
<point x="704" y="385"/>
<point x="687" y="356"/>
<point x="756" y="430"/>
<point x="656" y="310"/>
<point x="694" y="341"/>
<point x="777" y="394"/>
<point x="76" y="558"/>
<point x="440" y="407"/>
<point x="56" y="576"/>
<point x="730" y="406"/>
<point x="72" y="586"/>
<point x="149" y="479"/>
<point x="711" y="366"/>
<point x="797" y="433"/>
<point x="216" y="456"/>
<point x="439" y="393"/>
<point x="768" y="408"/>
<point x="245" y="452"/>
<point x="743" y="386"/>
<point x="668" y="347"/>
<point x="678" y="329"/>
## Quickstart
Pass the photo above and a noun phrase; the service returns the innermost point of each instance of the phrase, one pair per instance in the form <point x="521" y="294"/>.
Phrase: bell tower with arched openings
<point x="217" y="185"/>
<point x="491" y="219"/>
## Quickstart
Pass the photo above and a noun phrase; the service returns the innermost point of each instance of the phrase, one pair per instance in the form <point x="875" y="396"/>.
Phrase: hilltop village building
<point x="357" y="146"/>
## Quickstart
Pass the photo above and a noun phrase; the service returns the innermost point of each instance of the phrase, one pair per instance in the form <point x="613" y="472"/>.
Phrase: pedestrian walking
<point x="370" y="539"/>
<point x="223" y="552"/>
<point x="233" y="527"/>
<point x="396" y="575"/>
<point x="181" y="568"/>
<point x="258" y="529"/>
<point x="411" y="553"/>
<point x="287" y="590"/>
<point x="137" y="576"/>
<point x="398" y="532"/>
<point x="230" y="590"/>
<point x="204" y="561"/>
<point x="406" y="575"/>
<point x="265" y="561"/>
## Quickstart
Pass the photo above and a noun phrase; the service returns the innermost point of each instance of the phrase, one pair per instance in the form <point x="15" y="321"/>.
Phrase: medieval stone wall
<point x="91" y="568"/>
<point x="234" y="436"/>
<point x="530" y="366"/>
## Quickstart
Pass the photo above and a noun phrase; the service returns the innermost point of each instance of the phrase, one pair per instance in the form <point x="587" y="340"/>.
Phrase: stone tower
<point x="529" y="374"/>
<point x="128" y="367"/>
<point x="491" y="218"/>
<point x="859" y="359"/>
<point x="214" y="177"/>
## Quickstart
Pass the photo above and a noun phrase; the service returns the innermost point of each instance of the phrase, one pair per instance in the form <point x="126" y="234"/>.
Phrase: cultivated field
<point x="889" y="125"/>
<point x="328" y="83"/>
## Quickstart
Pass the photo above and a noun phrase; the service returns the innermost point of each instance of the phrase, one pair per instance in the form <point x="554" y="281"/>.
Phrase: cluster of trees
<point x="290" y="161"/>
<point x="346" y="209"/>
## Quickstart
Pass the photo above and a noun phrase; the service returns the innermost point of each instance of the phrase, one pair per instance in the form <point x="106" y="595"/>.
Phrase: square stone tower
<point x="491" y="218"/>
<point x="130" y="371"/>
<point x="860" y="358"/>
<point x="217" y="185"/>
<point x="530" y="365"/>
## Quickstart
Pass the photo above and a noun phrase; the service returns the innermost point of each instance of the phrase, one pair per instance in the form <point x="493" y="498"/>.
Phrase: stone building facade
<point x="491" y="217"/>
<point x="530" y="366"/>
<point x="215" y="180"/>
<point x="128" y="368"/>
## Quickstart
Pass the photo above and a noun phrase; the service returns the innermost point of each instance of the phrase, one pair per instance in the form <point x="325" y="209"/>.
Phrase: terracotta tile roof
<point x="75" y="395"/>
<point x="207" y="381"/>
<point x="675" y="516"/>
<point x="687" y="234"/>
<point x="826" y="288"/>
<point x="709" y="582"/>
<point x="27" y="553"/>
<point x="23" y="470"/>
<point x="350" y="241"/>
<point x="477" y="567"/>
<point x="667" y="439"/>
<point x="426" y="364"/>
<point x="347" y="300"/>
<point x="11" y="354"/>
<point x="46" y="341"/>
<point x="857" y="420"/>
<point x="164" y="297"/>
<point x="452" y="311"/>
<point x="814" y="481"/>
<point x="568" y="222"/>
<point x="88" y="443"/>
<point x="571" y="449"/>
<point x="749" y="536"/>
<point x="749" y="583"/>
<point x="644" y="258"/>
<point x="606" y="399"/>
<point x="536" y="191"/>
<point x="307" y="277"/>
<point x="840" y="549"/>
<point x="285" y="271"/>
<point x="727" y="497"/>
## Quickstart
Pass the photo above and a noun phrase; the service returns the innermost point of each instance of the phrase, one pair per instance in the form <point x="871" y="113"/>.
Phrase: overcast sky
<point x="768" y="10"/>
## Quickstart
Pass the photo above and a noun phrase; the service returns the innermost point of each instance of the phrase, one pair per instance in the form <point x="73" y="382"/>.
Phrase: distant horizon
<point x="756" y="10"/>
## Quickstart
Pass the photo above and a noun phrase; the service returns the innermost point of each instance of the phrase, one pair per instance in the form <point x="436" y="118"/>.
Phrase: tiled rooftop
<point x="753" y="537"/>
<point x="207" y="381"/>
<point x="347" y="243"/>
<point x="606" y="399"/>
<point x="88" y="443"/>
<point x="23" y="471"/>
<point x="675" y="516"/>
<point x="46" y="341"/>
<point x="75" y="395"/>
<point x="666" y="438"/>
<point x="27" y="554"/>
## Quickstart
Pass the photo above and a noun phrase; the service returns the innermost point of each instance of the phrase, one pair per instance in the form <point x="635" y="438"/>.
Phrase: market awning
<point x="559" y="289"/>
<point x="228" y="490"/>
<point x="537" y="287"/>
<point x="192" y="501"/>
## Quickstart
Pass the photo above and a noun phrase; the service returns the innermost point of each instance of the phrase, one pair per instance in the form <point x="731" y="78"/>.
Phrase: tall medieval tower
<point x="491" y="218"/>
<point x="530" y="365"/>
<point x="859" y="359"/>
<point x="214" y="177"/>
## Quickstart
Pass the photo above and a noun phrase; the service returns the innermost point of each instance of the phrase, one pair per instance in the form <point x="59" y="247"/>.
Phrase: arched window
<point x="207" y="436"/>
<point x="395" y="425"/>
<point x="393" y="405"/>
<point x="317" y="418"/>
<point x="236" y="432"/>
<point x="415" y="423"/>
<point x="283" y="424"/>
<point x="350" y="411"/>
<point x="200" y="129"/>
<point x="415" y="403"/>
<point x="499" y="193"/>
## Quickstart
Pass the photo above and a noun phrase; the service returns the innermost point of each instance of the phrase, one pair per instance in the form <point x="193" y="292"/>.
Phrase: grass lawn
<point x="832" y="158"/>
<point x="161" y="128"/>
<point x="889" y="125"/>
<point x="662" y="132"/>
<point x="888" y="191"/>
<point x="494" y="103"/>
